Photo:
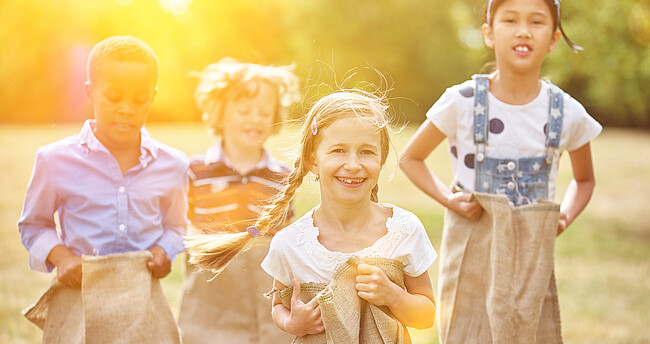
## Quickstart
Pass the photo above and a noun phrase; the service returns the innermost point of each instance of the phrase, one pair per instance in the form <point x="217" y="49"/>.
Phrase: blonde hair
<point x="229" y="80"/>
<point x="214" y="251"/>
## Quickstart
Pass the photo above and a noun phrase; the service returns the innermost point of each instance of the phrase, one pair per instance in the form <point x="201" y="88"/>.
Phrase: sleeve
<point x="174" y="213"/>
<point x="583" y="128"/>
<point x="36" y="225"/>
<point x="416" y="250"/>
<point x="276" y="263"/>
<point x="443" y="113"/>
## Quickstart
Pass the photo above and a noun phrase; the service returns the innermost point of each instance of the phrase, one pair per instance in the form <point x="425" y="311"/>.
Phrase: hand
<point x="562" y="224"/>
<point x="305" y="318"/>
<point x="375" y="287"/>
<point x="68" y="266"/>
<point x="160" y="265"/>
<point x="463" y="204"/>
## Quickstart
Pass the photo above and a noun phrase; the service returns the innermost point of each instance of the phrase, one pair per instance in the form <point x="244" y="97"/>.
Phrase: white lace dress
<point x="295" y="251"/>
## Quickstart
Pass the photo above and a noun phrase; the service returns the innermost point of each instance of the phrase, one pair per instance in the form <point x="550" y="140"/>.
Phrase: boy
<point x="243" y="103"/>
<point x="115" y="189"/>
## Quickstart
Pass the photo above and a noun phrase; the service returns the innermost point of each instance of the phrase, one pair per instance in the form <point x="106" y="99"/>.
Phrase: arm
<point x="413" y="307"/>
<point x="174" y="222"/>
<point x="302" y="319"/>
<point x="411" y="161"/>
<point x="580" y="189"/>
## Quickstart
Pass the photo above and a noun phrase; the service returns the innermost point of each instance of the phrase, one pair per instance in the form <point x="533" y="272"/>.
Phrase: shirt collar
<point x="216" y="154"/>
<point x="87" y="137"/>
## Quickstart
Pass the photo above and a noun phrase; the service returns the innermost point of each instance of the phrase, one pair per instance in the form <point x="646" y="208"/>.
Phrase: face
<point x="521" y="35"/>
<point x="248" y="121"/>
<point x="348" y="161"/>
<point x="121" y="94"/>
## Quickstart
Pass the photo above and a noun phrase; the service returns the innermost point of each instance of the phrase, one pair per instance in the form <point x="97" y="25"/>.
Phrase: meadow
<point x="602" y="261"/>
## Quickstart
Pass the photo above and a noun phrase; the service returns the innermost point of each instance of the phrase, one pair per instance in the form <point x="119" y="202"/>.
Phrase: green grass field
<point x="602" y="261"/>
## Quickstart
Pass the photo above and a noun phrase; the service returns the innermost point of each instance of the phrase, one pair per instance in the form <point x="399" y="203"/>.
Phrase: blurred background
<point x="421" y="47"/>
<point x="415" y="48"/>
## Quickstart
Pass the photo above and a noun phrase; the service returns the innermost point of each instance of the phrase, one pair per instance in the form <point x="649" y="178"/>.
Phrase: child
<point x="243" y="103"/>
<point x="114" y="188"/>
<point x="361" y="264"/>
<point x="506" y="132"/>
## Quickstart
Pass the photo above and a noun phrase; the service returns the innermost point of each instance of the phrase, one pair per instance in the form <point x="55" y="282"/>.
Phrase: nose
<point x="523" y="31"/>
<point x="352" y="162"/>
<point x="126" y="109"/>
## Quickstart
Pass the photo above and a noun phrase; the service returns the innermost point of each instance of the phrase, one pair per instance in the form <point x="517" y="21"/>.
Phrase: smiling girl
<point x="506" y="132"/>
<point x="349" y="254"/>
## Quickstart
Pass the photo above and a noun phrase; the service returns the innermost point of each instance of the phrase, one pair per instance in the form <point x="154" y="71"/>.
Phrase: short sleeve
<point x="416" y="252"/>
<point x="276" y="263"/>
<point x="582" y="127"/>
<point x="443" y="113"/>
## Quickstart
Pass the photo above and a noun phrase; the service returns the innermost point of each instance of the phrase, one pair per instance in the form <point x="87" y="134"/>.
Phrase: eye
<point x="141" y="99"/>
<point x="112" y="96"/>
<point x="368" y="152"/>
<point x="338" y="150"/>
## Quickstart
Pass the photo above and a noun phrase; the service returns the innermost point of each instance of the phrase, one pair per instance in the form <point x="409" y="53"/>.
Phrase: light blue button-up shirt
<point x="100" y="210"/>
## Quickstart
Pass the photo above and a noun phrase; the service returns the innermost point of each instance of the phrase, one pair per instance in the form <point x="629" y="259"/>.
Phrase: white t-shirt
<point x="515" y="131"/>
<point x="295" y="251"/>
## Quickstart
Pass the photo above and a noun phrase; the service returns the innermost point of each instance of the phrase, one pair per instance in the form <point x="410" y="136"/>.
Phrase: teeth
<point x="522" y="48"/>
<point x="350" y="180"/>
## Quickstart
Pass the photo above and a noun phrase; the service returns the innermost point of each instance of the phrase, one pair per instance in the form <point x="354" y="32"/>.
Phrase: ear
<point x="88" y="91"/>
<point x="313" y="165"/>
<point x="555" y="39"/>
<point x="488" y="37"/>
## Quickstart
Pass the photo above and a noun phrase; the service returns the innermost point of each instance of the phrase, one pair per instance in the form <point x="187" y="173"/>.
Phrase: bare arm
<point x="413" y="307"/>
<point x="580" y="189"/>
<point x="302" y="319"/>
<point x="411" y="161"/>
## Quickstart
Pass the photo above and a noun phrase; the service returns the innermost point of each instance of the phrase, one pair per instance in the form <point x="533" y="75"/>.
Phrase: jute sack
<point x="119" y="302"/>
<point x="496" y="282"/>
<point x="230" y="308"/>
<point x="347" y="318"/>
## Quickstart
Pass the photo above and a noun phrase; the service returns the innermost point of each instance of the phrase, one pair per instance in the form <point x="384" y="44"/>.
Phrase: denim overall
<point x="522" y="180"/>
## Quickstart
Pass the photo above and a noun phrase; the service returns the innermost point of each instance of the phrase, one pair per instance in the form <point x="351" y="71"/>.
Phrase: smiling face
<point x="348" y="161"/>
<point x="248" y="121"/>
<point x="121" y="93"/>
<point x="521" y="33"/>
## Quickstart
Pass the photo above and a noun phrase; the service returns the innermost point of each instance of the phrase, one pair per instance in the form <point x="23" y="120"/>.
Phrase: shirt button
<point x="244" y="180"/>
<point x="511" y="166"/>
<point x="480" y="157"/>
<point x="122" y="227"/>
<point x="121" y="189"/>
<point x="510" y="185"/>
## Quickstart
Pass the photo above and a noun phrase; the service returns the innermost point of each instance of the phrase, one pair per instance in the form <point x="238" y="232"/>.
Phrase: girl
<point x="242" y="103"/>
<point x="373" y="257"/>
<point x="506" y="132"/>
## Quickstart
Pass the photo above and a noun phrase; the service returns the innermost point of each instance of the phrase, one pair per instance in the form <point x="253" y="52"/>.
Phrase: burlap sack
<point x="119" y="302"/>
<point x="231" y="308"/>
<point x="496" y="282"/>
<point x="347" y="318"/>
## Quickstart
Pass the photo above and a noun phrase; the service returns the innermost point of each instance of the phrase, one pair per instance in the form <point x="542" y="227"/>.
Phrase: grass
<point x="602" y="261"/>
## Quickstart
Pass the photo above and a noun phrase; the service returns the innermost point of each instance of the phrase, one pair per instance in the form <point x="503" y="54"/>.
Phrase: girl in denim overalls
<point x="506" y="132"/>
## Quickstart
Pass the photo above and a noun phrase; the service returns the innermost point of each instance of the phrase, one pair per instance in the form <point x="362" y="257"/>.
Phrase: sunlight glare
<point x="175" y="7"/>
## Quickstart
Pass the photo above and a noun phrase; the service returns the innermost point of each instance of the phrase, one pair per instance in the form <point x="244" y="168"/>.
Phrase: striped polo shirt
<point x="220" y="198"/>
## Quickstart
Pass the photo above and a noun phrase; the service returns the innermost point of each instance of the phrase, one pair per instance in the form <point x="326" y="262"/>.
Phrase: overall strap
<point x="555" y="117"/>
<point x="481" y="114"/>
<point x="481" y="108"/>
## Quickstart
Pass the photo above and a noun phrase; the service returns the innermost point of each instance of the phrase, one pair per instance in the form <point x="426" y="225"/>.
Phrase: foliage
<point x="420" y="47"/>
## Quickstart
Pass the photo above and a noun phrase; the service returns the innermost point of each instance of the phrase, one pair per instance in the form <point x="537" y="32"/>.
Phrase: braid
<point x="374" y="194"/>
<point x="214" y="251"/>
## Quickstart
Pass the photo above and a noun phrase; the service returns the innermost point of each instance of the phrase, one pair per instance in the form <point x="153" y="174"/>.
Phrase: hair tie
<point x="253" y="231"/>
<point x="314" y="128"/>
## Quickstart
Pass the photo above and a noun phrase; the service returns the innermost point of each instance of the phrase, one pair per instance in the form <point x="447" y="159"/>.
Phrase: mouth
<point x="253" y="132"/>
<point x="522" y="49"/>
<point x="351" y="181"/>
<point x="123" y="126"/>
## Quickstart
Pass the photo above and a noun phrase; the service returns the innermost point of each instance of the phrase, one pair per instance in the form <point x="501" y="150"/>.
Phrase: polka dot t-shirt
<point x="515" y="131"/>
